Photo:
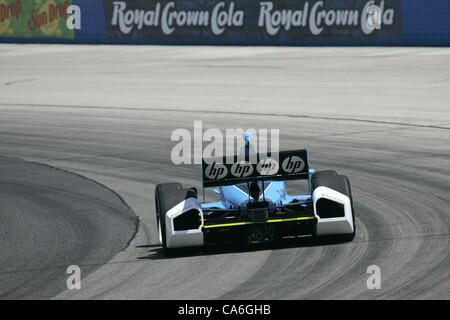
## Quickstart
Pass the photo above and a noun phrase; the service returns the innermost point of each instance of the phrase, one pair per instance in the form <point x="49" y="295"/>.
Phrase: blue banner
<point x="253" y="22"/>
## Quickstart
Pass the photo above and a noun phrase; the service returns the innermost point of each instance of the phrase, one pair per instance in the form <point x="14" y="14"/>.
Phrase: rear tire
<point x="320" y="179"/>
<point x="167" y="195"/>
<point x="325" y="172"/>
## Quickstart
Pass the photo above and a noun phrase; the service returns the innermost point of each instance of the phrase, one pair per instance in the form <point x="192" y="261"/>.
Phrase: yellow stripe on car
<point x="251" y="222"/>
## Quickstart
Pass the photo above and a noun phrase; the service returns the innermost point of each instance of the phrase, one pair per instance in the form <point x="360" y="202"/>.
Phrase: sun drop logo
<point x="7" y="12"/>
<point x="46" y="17"/>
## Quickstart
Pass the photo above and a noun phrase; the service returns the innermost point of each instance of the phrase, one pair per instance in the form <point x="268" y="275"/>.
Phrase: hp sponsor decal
<point x="293" y="164"/>
<point x="216" y="171"/>
<point x="267" y="166"/>
<point x="241" y="169"/>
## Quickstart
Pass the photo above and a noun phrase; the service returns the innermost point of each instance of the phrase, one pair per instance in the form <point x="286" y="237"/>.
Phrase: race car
<point x="254" y="206"/>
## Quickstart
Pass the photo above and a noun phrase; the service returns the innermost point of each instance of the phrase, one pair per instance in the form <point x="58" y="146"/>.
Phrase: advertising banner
<point x="34" y="19"/>
<point x="228" y="22"/>
<point x="264" y="21"/>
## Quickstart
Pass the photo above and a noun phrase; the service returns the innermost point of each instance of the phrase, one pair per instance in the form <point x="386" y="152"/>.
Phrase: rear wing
<point x="285" y="165"/>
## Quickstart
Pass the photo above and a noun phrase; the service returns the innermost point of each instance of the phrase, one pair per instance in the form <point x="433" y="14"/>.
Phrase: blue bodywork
<point x="235" y="196"/>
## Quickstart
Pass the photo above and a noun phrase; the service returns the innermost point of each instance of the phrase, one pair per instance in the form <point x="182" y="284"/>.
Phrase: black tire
<point x="325" y="172"/>
<point x="167" y="195"/>
<point x="351" y="236"/>
<point x="341" y="184"/>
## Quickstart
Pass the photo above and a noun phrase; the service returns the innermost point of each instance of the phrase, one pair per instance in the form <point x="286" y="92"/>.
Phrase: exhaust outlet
<point x="257" y="236"/>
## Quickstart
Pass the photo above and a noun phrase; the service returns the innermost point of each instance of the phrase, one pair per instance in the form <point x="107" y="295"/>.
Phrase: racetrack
<point x="52" y="219"/>
<point x="379" y="115"/>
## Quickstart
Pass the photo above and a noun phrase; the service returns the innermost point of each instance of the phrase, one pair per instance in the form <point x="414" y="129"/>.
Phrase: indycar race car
<point x="254" y="206"/>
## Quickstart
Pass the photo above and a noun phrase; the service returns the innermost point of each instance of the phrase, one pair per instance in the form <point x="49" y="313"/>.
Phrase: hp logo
<point x="267" y="167"/>
<point x="293" y="164"/>
<point x="216" y="171"/>
<point x="241" y="169"/>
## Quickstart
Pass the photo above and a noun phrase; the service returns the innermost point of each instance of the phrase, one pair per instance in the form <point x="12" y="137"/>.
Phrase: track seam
<point x="231" y="113"/>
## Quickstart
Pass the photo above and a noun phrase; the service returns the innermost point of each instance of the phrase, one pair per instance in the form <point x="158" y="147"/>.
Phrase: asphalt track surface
<point x="85" y="137"/>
